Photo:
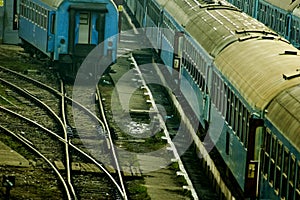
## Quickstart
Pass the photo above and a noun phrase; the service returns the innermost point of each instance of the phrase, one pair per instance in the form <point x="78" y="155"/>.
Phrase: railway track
<point x="55" y="140"/>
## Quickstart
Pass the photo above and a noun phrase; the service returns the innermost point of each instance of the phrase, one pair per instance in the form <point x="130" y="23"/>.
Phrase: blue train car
<point x="282" y="16"/>
<point x="246" y="82"/>
<point x="67" y="30"/>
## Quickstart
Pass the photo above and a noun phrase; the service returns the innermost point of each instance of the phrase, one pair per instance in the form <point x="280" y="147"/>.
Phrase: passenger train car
<point x="246" y="77"/>
<point x="67" y="30"/>
<point x="283" y="16"/>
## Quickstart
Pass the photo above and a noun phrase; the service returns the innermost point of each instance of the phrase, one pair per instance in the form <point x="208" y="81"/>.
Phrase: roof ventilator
<point x="290" y="53"/>
<point x="292" y="75"/>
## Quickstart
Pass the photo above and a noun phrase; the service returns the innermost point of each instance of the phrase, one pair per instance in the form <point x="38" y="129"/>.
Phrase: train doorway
<point x="86" y="29"/>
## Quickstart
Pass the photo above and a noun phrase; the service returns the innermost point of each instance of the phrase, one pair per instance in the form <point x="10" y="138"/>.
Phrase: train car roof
<point x="213" y="25"/>
<point x="231" y="37"/>
<point x="287" y="5"/>
<point x="262" y="66"/>
<point x="57" y="3"/>
<point x="256" y="67"/>
<point x="285" y="108"/>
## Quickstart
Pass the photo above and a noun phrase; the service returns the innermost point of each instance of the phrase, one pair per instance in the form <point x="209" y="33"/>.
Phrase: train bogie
<point x="67" y="31"/>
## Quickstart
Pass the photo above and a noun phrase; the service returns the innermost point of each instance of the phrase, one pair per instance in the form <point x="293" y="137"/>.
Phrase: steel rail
<point x="111" y="142"/>
<point x="57" y="93"/>
<point x="101" y="166"/>
<point x="29" y="145"/>
<point x="68" y="164"/>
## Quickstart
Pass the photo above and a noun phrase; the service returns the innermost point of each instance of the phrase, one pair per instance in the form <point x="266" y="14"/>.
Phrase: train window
<point x="21" y="9"/>
<point x="227" y="142"/>
<point x="245" y="128"/>
<point x="240" y="128"/>
<point x="52" y="25"/>
<point x="189" y="65"/>
<point x="286" y="161"/>
<point x="29" y="13"/>
<point x="285" y="172"/>
<point x="277" y="178"/>
<point x="266" y="158"/>
<point x="284" y="185"/>
<point x="237" y="114"/>
<point x="228" y="105"/>
<point x="35" y="16"/>
<point x="213" y="89"/>
<point x="286" y="22"/>
<point x="196" y="72"/>
<point x="218" y="97"/>
<point x="224" y="99"/>
<point x="281" y="20"/>
<point x="271" y="16"/>
<point x="199" y="80"/>
<point x="266" y="165"/>
<point x="264" y="13"/>
<point x="268" y="19"/>
<point x="273" y="165"/>
<point x="193" y="70"/>
<point x="225" y="107"/>
<point x="230" y="99"/>
<point x="278" y="167"/>
<point x="232" y="110"/>
<point x="84" y="18"/>
<point x="196" y="76"/>
<point x="219" y="94"/>
<point x="292" y="168"/>
<point x="272" y="170"/>
<point x="267" y="141"/>
<point x="297" y="185"/>
<point x="33" y="13"/>
<point x="292" y="176"/>
<point x="183" y="58"/>
<point x="204" y="88"/>
<point x="297" y="34"/>
<point x="273" y="147"/>
<point x="24" y="10"/>
<point x="45" y="18"/>
<point x="279" y="154"/>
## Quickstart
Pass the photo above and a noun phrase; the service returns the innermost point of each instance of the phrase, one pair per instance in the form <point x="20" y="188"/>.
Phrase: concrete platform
<point x="9" y="157"/>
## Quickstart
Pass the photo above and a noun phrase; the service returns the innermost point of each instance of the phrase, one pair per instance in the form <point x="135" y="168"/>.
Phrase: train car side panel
<point x="33" y="25"/>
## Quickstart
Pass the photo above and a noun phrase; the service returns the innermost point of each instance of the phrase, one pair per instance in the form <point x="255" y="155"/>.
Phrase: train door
<point x="86" y="30"/>
<point x="51" y="31"/>
<point x="255" y="134"/>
